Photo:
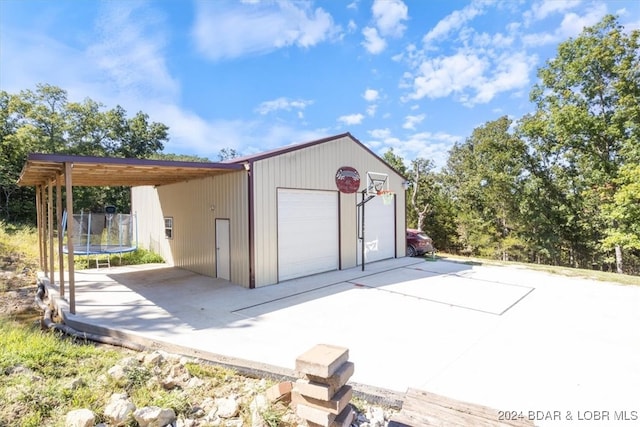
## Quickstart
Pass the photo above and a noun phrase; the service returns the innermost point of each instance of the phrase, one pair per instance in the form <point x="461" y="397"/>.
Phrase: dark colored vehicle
<point x="419" y="243"/>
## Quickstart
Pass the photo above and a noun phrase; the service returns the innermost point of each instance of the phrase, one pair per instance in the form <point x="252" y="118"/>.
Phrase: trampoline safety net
<point x="102" y="233"/>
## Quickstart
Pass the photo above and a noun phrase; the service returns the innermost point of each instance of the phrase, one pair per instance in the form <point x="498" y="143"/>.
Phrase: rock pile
<point x="250" y="404"/>
<point x="170" y="372"/>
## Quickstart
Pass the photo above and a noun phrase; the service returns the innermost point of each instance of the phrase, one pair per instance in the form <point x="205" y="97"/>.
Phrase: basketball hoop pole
<point x="376" y="183"/>
<point x="365" y="199"/>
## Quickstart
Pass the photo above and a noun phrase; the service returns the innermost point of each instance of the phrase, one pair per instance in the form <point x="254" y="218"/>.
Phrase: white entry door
<point x="307" y="232"/>
<point x="223" y="244"/>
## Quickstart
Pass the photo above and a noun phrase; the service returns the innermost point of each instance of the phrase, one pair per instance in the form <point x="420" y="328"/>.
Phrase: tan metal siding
<point x="194" y="206"/>
<point x="314" y="168"/>
<point x="150" y="221"/>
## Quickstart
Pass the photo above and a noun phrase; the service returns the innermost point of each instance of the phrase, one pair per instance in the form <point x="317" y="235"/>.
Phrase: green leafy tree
<point x="586" y="121"/>
<point x="429" y="198"/>
<point x="227" y="154"/>
<point x="180" y="157"/>
<point x="422" y="191"/>
<point x="395" y="161"/>
<point x="486" y="175"/>
<point x="44" y="121"/>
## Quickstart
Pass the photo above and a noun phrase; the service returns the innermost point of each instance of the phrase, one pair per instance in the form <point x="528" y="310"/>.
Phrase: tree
<point x="395" y="161"/>
<point x="587" y="119"/>
<point x="227" y="154"/>
<point x="422" y="190"/>
<point x="45" y="121"/>
<point x="486" y="176"/>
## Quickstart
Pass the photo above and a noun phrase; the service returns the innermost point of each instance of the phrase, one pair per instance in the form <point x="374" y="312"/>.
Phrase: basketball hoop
<point x="387" y="196"/>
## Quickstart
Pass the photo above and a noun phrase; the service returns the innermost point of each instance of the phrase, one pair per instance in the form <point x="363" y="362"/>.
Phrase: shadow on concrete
<point x="165" y="300"/>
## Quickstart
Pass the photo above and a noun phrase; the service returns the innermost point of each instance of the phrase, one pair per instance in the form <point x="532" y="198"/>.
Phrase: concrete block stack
<point x="321" y="395"/>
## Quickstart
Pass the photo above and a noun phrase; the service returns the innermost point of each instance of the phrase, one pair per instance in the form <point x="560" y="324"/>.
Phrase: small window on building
<point x="168" y="227"/>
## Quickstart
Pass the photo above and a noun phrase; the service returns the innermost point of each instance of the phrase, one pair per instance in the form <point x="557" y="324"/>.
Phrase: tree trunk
<point x="618" y="259"/>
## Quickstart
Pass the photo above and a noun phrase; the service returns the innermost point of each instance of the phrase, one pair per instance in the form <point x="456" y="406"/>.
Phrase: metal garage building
<point x="281" y="216"/>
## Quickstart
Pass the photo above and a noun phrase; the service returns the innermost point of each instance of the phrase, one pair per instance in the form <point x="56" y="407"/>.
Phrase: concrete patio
<point x="506" y="337"/>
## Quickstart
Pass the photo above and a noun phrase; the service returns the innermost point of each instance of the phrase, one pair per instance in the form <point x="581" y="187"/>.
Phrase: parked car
<point x="419" y="243"/>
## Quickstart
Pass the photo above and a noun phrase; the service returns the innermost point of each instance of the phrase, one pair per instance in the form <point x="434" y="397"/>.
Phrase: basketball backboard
<point x="377" y="183"/>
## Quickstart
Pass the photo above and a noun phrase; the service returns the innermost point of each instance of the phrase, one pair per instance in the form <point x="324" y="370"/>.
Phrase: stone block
<point x="325" y="388"/>
<point x="280" y="392"/>
<point x="315" y="415"/>
<point x="323" y="360"/>
<point x="337" y="380"/>
<point x="345" y="419"/>
<point x="335" y="405"/>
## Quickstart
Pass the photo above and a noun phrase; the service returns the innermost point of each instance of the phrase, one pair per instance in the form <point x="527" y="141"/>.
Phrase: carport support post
<point x="60" y="232"/>
<point x="70" y="233"/>
<point x="52" y="269"/>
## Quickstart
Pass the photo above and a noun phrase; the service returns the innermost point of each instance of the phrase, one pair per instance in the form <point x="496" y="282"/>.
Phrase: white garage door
<point x="379" y="233"/>
<point x="307" y="232"/>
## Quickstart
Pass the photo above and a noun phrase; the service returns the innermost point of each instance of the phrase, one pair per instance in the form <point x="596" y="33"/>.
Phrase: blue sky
<point x="412" y="75"/>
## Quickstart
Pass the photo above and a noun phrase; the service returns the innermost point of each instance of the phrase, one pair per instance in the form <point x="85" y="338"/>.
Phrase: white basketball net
<point x="387" y="197"/>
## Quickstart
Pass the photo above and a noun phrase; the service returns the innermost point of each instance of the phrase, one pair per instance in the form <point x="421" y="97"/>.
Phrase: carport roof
<point x="110" y="171"/>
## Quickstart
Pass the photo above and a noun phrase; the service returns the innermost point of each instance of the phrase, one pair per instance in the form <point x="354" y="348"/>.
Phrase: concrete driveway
<point x="506" y="337"/>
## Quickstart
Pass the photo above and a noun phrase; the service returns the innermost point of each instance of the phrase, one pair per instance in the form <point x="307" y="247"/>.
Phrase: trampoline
<point x="102" y="234"/>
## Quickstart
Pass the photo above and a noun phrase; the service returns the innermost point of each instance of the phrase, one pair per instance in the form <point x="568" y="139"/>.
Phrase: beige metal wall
<point x="314" y="168"/>
<point x="194" y="206"/>
<point x="150" y="221"/>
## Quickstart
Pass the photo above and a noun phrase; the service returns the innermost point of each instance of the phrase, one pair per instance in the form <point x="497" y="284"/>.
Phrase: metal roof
<point x="110" y="171"/>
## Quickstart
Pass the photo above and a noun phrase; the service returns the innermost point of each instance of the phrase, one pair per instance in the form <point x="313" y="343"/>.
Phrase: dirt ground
<point x="17" y="289"/>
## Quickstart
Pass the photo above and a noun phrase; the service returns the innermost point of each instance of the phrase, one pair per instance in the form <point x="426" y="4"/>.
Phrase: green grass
<point x="623" y="279"/>
<point x="139" y="256"/>
<point x="38" y="369"/>
<point x="44" y="374"/>
<point x="18" y="247"/>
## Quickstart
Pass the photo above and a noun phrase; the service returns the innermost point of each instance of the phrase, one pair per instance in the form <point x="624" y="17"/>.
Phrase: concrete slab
<point x="508" y="338"/>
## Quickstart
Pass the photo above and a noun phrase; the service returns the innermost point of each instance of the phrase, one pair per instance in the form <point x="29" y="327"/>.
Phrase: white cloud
<point x="388" y="16"/>
<point x="542" y="9"/>
<point x="351" y="119"/>
<point x="439" y="77"/>
<point x="426" y="145"/>
<point x="131" y="50"/>
<point x="371" y="95"/>
<point x="192" y="134"/>
<point x="453" y="22"/>
<point x="410" y="122"/>
<point x="371" y="110"/>
<point x="283" y="103"/>
<point x="473" y="77"/>
<point x="372" y="41"/>
<point x="225" y="30"/>
<point x="571" y="25"/>
<point x="380" y="133"/>
<point x="511" y="73"/>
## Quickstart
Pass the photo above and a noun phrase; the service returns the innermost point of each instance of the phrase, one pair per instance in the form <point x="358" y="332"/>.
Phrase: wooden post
<point x="43" y="217"/>
<point x="68" y="183"/>
<point x="52" y="269"/>
<point x="39" y="223"/>
<point x="60" y="231"/>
